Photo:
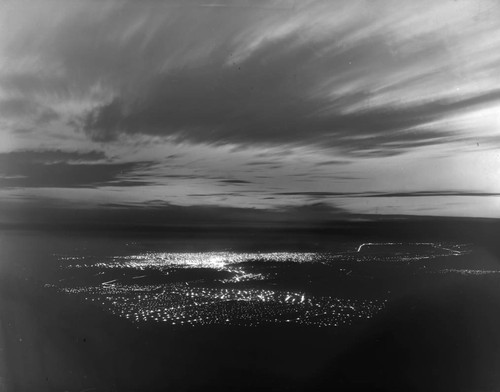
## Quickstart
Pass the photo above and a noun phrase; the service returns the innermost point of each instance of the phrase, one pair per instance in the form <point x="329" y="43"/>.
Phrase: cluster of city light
<point x="122" y="285"/>
<point x="216" y="260"/>
<point x="182" y="304"/>
<point x="227" y="260"/>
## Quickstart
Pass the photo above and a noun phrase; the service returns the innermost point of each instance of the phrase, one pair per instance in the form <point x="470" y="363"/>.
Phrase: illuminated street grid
<point x="229" y="301"/>
<point x="181" y="304"/>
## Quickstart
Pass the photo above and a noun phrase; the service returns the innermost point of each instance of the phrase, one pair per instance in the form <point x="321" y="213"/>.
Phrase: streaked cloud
<point x="259" y="105"/>
<point x="367" y="77"/>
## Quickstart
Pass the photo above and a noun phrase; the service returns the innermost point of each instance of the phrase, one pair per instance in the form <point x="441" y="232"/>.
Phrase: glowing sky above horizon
<point x="365" y="107"/>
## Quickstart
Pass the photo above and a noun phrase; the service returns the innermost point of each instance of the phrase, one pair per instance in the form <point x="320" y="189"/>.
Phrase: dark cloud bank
<point x="261" y="100"/>
<point x="64" y="169"/>
<point x="278" y="94"/>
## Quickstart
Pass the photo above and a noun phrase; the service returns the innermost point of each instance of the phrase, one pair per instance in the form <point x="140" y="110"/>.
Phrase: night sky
<point x="248" y="109"/>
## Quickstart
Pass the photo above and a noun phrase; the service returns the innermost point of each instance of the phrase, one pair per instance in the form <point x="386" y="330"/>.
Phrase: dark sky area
<point x="248" y="111"/>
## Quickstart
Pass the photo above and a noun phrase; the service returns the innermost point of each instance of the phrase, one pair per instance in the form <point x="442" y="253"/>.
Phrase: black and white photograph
<point x="249" y="195"/>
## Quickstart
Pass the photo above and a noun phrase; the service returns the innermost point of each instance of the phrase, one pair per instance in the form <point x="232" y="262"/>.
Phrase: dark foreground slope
<point x="437" y="339"/>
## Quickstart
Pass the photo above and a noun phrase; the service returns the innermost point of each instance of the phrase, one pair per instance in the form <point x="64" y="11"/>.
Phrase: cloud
<point x="333" y="162"/>
<point x="263" y="100"/>
<point x="434" y="194"/>
<point x="261" y="163"/>
<point x="199" y="98"/>
<point x="237" y="182"/>
<point x="389" y="194"/>
<point x="48" y="157"/>
<point x="196" y="105"/>
<point x="20" y="109"/>
<point x="65" y="169"/>
<point x="273" y="96"/>
<point x="367" y="79"/>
